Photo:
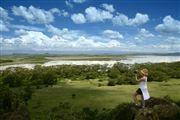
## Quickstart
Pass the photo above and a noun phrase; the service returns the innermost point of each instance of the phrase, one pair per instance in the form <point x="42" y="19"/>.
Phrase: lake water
<point x="110" y="63"/>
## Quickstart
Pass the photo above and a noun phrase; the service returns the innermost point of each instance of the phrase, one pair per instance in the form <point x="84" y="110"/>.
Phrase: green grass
<point x="88" y="94"/>
<point x="9" y="60"/>
<point x="5" y="61"/>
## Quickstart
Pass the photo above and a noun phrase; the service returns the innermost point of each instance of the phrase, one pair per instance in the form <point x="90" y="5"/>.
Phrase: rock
<point x="124" y="112"/>
<point x="156" y="109"/>
<point x="146" y="114"/>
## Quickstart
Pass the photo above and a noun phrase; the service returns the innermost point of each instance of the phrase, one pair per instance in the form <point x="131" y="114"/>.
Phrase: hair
<point x="143" y="72"/>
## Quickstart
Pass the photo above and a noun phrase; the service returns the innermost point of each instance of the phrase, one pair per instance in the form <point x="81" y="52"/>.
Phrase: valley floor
<point x="94" y="94"/>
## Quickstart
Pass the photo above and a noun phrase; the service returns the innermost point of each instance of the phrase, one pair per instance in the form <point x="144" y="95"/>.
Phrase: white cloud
<point x="143" y="34"/>
<point x="64" y="39"/>
<point x="26" y="40"/>
<point x="32" y="28"/>
<point x="166" y="47"/>
<point x="173" y="43"/>
<point x="108" y="7"/>
<point x="4" y="14"/>
<point x="61" y="39"/>
<point x="112" y="34"/>
<point x="78" y="18"/>
<point x="3" y="26"/>
<point x="95" y="15"/>
<point x="167" y="44"/>
<point x="64" y="33"/>
<point x="4" y="21"/>
<point x="122" y="19"/>
<point x="169" y="25"/>
<point x="68" y="3"/>
<point x="59" y="12"/>
<point x="79" y="1"/>
<point x="36" y="15"/>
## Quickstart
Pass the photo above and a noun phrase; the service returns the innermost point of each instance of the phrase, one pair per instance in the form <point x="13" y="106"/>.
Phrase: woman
<point x="141" y="77"/>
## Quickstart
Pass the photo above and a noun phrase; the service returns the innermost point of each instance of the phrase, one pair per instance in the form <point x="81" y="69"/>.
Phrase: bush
<point x="9" y="101"/>
<point x="111" y="82"/>
<point x="157" y="76"/>
<point x="122" y="73"/>
<point x="62" y="112"/>
<point x="26" y="93"/>
<point x="15" y="77"/>
<point x="113" y="73"/>
<point x="5" y="61"/>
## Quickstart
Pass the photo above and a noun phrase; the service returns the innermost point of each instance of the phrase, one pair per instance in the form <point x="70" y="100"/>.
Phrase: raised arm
<point x="136" y="77"/>
<point x="141" y="79"/>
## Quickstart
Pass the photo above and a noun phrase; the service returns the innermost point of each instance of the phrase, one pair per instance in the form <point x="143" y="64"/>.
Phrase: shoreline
<point x="126" y="60"/>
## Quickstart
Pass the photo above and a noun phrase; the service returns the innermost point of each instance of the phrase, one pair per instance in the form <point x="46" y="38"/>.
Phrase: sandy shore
<point x="110" y="63"/>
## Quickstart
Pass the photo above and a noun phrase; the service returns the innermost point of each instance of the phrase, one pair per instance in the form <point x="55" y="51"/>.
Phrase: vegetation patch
<point x="86" y="92"/>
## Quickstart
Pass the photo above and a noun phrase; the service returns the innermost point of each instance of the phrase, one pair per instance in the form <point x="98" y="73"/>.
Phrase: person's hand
<point x="136" y="71"/>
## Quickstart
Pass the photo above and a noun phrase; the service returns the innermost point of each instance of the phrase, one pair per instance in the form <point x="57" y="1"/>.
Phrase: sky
<point x="86" y="26"/>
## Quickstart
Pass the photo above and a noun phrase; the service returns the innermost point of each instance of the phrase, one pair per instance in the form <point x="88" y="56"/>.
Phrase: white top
<point x="143" y="87"/>
<point x="143" y="83"/>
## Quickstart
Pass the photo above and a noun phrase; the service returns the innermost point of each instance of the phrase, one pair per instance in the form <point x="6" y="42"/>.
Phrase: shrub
<point x="113" y="73"/>
<point x="111" y="82"/>
<point x="157" y="76"/>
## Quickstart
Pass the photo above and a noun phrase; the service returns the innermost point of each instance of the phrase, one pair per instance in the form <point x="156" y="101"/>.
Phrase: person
<point x="141" y="77"/>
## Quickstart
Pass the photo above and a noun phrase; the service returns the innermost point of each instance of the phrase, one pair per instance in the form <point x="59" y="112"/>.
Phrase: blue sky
<point x="90" y="25"/>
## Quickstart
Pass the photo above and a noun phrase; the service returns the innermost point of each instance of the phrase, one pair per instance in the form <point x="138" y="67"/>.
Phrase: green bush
<point x="122" y="73"/>
<point x="5" y="61"/>
<point x="111" y="82"/>
<point x="157" y="76"/>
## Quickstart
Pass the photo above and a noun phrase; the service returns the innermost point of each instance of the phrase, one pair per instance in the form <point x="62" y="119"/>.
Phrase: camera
<point x="136" y="71"/>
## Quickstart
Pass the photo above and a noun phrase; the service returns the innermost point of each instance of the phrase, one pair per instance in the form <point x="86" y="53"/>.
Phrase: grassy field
<point x="13" y="59"/>
<point x="89" y="94"/>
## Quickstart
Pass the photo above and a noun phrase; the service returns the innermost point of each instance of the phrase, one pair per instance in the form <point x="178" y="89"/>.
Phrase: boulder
<point x="156" y="109"/>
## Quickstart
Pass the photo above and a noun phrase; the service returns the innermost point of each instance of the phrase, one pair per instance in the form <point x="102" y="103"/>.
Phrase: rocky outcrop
<point x="156" y="109"/>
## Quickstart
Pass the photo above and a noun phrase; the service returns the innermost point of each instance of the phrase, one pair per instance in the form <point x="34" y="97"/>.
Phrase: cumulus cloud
<point x="78" y="18"/>
<point x="112" y="34"/>
<point x="169" y="25"/>
<point x="61" y="39"/>
<point x="26" y="40"/>
<point x="36" y="15"/>
<point x="4" y="21"/>
<point x="65" y="39"/>
<point x="92" y="14"/>
<point x="4" y="14"/>
<point x="108" y="7"/>
<point x="122" y="20"/>
<point x="143" y="34"/>
<point x="59" y="12"/>
<point x="78" y="39"/>
<point x="64" y="32"/>
<point x="95" y="15"/>
<point x="3" y="26"/>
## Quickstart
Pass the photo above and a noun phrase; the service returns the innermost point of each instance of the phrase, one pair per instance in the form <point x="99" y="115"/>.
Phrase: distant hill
<point x="84" y="53"/>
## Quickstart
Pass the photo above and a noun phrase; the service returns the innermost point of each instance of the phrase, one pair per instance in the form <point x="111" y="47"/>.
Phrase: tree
<point x="49" y="77"/>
